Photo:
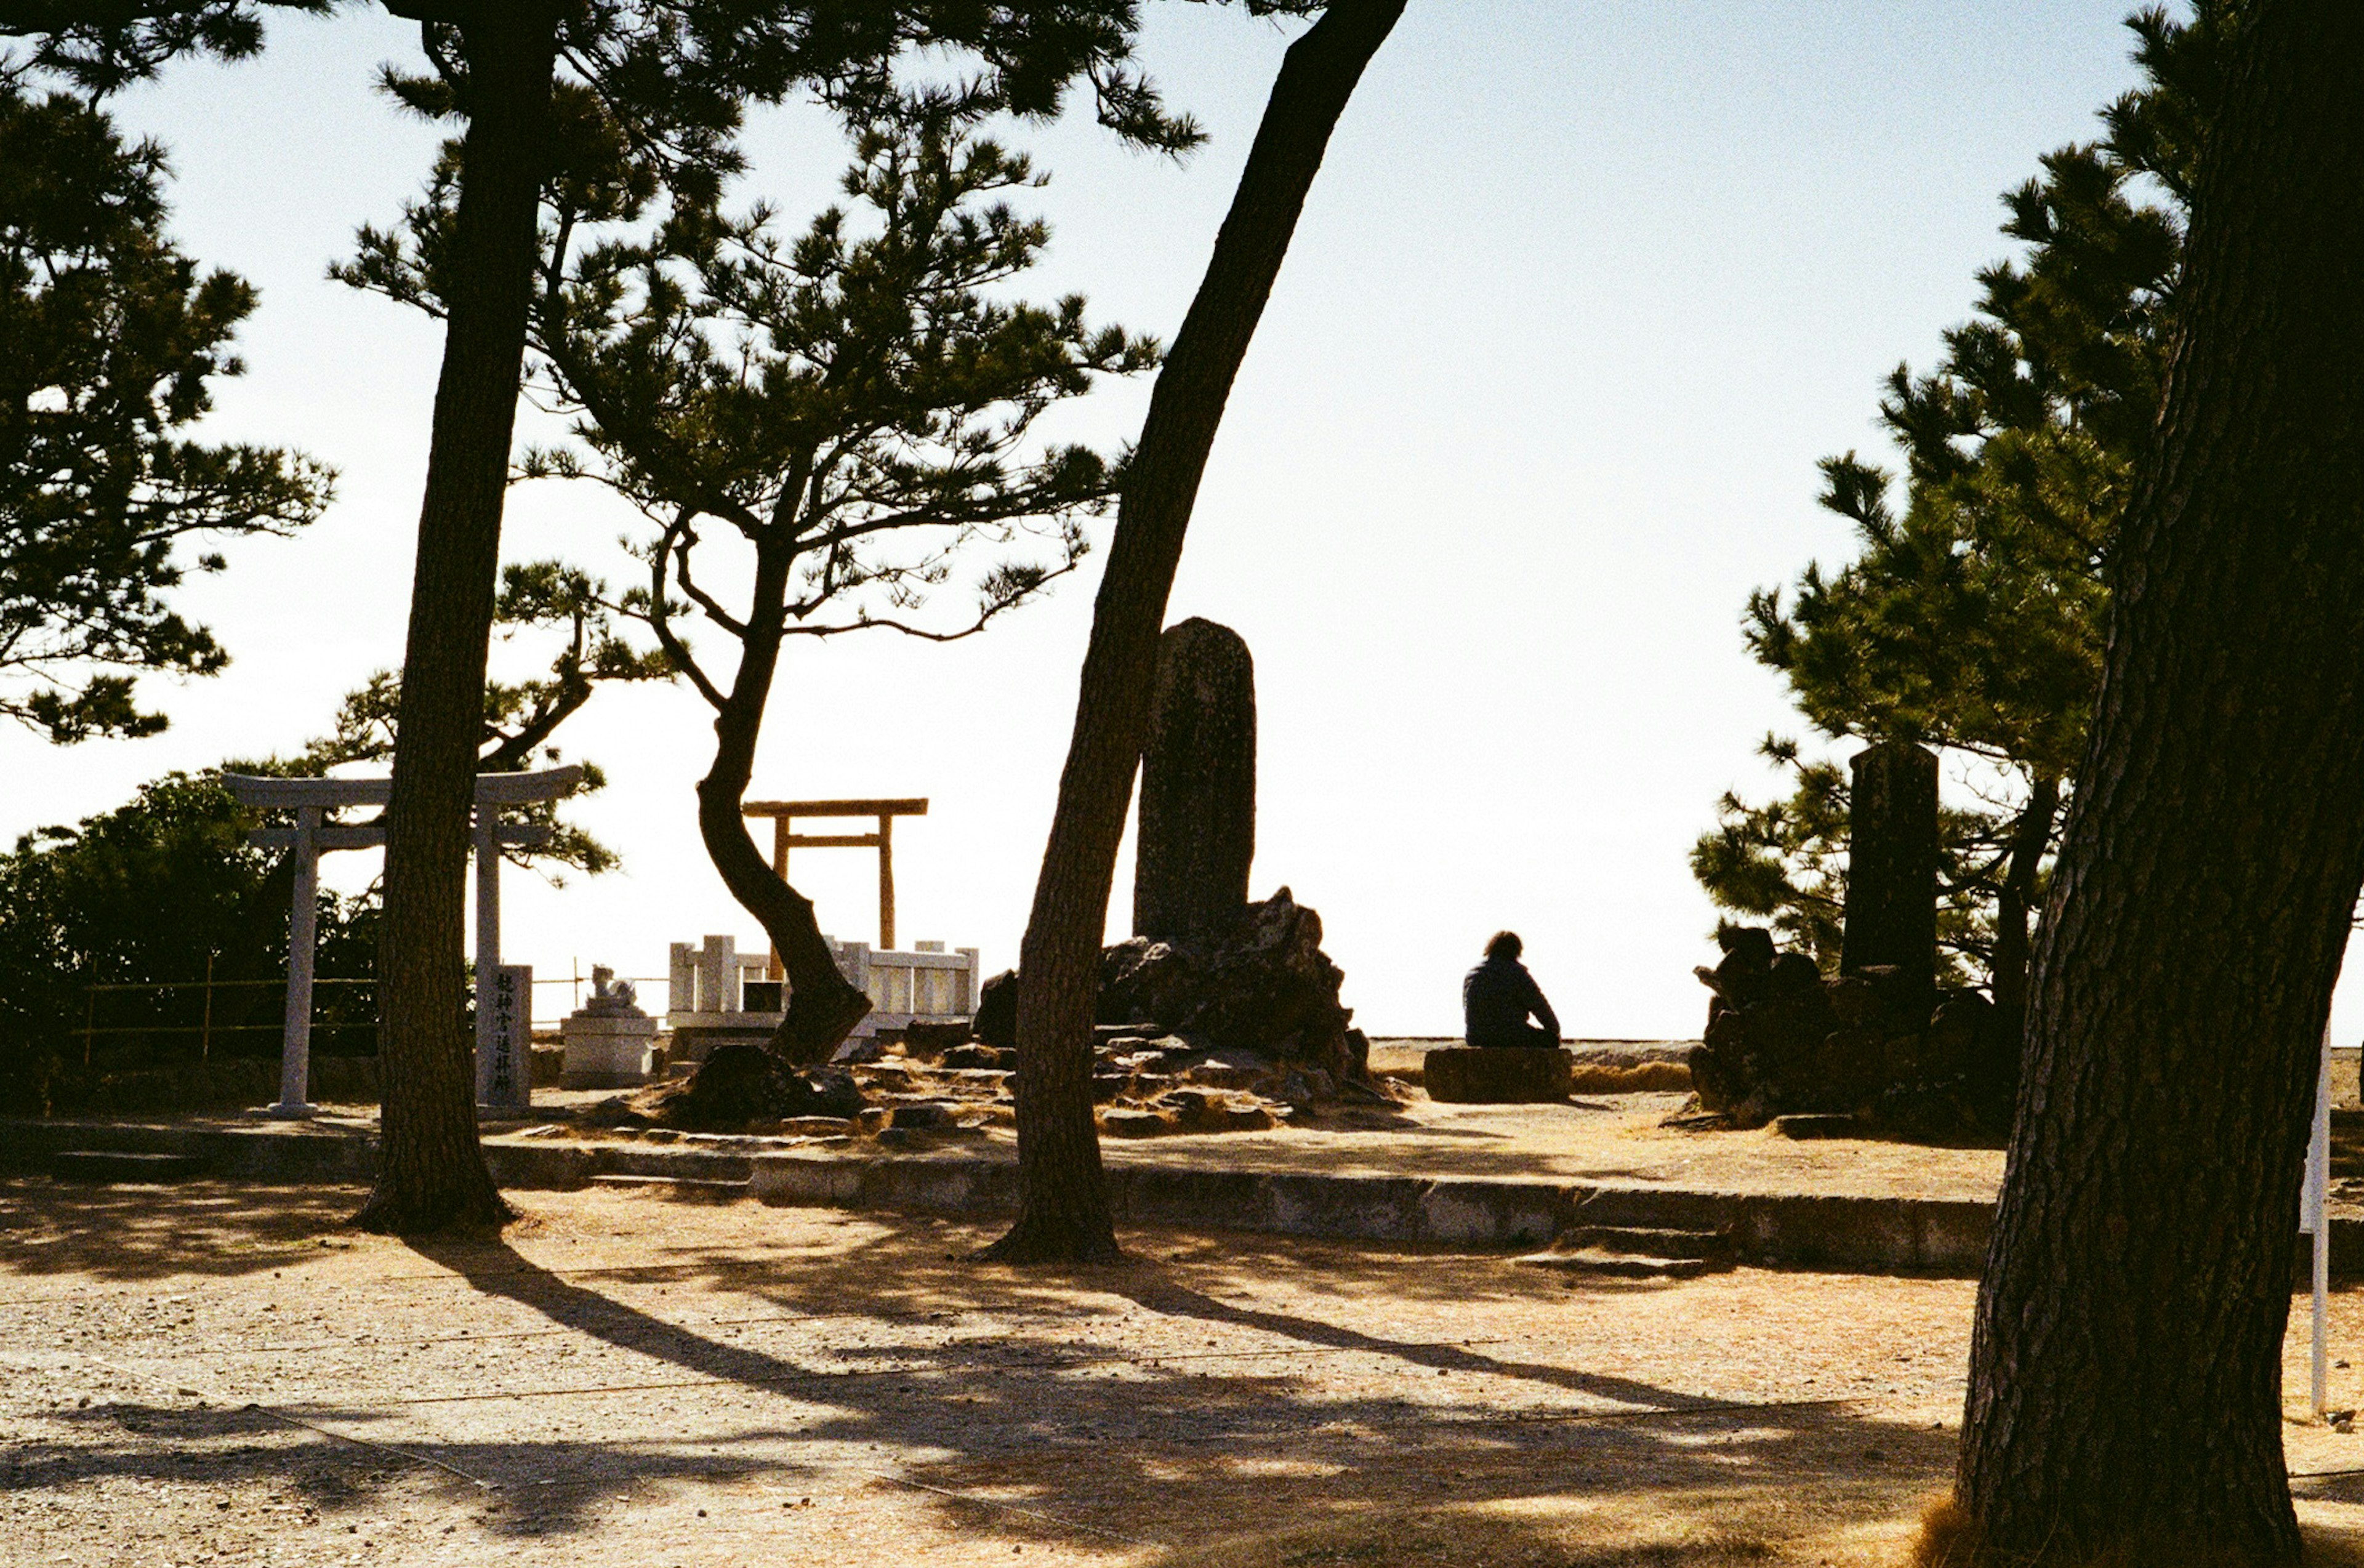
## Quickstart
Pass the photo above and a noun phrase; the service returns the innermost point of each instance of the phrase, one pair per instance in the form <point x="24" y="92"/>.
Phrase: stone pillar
<point x="1891" y="899"/>
<point x="1198" y="787"/>
<point x="718" y="975"/>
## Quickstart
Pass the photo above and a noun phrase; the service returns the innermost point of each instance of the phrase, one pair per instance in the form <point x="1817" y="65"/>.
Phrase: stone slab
<point x="123" y="1165"/>
<point x="1464" y="1075"/>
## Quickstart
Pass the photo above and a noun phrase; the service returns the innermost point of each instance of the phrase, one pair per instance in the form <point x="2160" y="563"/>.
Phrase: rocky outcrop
<point x="1882" y="1045"/>
<point x="735" y="1086"/>
<point x="1264" y="986"/>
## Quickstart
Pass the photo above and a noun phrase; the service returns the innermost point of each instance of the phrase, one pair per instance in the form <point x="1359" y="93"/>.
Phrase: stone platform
<point x="1473" y="1176"/>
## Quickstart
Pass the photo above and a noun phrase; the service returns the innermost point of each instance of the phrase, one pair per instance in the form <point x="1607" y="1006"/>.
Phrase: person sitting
<point x="1499" y="995"/>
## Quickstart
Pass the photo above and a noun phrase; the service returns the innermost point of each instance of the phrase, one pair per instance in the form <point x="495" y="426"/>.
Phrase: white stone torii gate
<point x="308" y="798"/>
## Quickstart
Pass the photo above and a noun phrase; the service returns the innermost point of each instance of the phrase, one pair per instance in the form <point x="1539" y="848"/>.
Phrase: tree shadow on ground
<point x="131" y="1234"/>
<point x="1083" y="1410"/>
<point x="1158" y="1449"/>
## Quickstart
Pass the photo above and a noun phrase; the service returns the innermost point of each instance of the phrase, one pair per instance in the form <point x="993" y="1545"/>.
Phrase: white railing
<point x="710" y="985"/>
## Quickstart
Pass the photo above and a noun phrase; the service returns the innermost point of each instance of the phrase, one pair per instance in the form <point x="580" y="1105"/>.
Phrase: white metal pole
<point x="303" y="922"/>
<point x="2318" y="1205"/>
<point x="488" y="938"/>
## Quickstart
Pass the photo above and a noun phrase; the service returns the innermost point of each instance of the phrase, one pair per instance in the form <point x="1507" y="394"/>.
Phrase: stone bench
<point x="1507" y="1076"/>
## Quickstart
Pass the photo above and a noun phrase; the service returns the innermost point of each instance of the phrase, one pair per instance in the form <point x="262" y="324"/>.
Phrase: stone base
<point x="1510" y="1075"/>
<point x="607" y="1053"/>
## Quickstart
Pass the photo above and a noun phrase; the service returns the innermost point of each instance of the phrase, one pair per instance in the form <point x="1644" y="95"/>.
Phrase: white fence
<point x="714" y="985"/>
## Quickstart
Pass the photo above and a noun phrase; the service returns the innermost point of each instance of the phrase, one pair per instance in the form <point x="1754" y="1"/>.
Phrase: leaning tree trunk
<point x="823" y="1006"/>
<point x="1064" y="1212"/>
<point x="2126" y="1366"/>
<point x="431" y="1171"/>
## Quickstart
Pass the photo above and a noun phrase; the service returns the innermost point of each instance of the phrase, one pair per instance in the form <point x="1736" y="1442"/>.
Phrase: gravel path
<point x="207" y="1373"/>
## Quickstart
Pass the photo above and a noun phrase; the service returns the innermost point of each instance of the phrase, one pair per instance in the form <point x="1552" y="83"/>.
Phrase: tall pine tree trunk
<point x="431" y="1172"/>
<point x="823" y="1006"/>
<point x="2125" y="1367"/>
<point x="1064" y="1214"/>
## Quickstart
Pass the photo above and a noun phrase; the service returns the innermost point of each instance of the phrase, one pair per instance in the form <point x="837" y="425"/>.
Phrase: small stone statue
<point x="611" y="997"/>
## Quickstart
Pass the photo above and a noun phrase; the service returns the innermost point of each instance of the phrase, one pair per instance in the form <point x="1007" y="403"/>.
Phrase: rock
<point x="1793" y="978"/>
<point x="816" y="1127"/>
<point x="927" y="1116"/>
<point x="1265" y="993"/>
<point x="995" y="1022"/>
<point x="927" y="1039"/>
<point x="741" y="1084"/>
<point x="1197" y="831"/>
<point x="1519" y="1075"/>
<point x="1958" y="1031"/>
<point x="975" y="1056"/>
<point x="1267" y="987"/>
<point x="1125" y="1122"/>
<point x="1198" y="1109"/>
<point x="1783" y="1042"/>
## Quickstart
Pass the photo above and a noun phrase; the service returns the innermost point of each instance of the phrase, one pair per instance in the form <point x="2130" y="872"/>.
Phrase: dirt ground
<point x="208" y="1373"/>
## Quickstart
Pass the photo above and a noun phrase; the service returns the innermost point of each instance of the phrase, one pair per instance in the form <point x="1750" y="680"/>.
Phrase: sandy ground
<point x="207" y="1373"/>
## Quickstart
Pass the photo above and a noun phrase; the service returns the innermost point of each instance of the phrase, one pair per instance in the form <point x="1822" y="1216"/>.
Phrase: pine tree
<point x="663" y="83"/>
<point x="1064" y="1211"/>
<point x="2125" y="1370"/>
<point x="1972" y="618"/>
<point x="110" y="339"/>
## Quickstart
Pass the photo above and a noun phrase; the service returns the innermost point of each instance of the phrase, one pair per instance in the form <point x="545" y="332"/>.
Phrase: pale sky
<point x="1581" y="295"/>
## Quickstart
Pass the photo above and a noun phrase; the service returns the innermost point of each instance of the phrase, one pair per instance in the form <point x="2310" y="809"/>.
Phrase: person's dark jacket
<point x="1495" y="1000"/>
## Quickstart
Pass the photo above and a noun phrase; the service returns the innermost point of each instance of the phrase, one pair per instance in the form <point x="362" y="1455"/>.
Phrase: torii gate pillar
<point x="309" y="799"/>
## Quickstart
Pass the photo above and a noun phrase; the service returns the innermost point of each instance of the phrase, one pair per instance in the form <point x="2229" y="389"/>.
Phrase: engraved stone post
<point x="1891" y="898"/>
<point x="1198" y="787"/>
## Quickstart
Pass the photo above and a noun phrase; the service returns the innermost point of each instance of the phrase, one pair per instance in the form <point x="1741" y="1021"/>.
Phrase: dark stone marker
<point x="1892" y="900"/>
<point x="1198" y="787"/>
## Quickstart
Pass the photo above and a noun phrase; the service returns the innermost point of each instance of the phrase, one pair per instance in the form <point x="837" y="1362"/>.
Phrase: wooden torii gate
<point x="783" y="814"/>
<point x="308" y="799"/>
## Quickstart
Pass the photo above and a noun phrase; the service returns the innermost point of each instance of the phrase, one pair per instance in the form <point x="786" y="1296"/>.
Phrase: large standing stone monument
<point x="1198" y="787"/>
<point x="1891" y="898"/>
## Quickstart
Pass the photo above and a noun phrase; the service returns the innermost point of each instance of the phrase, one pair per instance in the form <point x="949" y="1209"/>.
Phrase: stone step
<point x="1622" y="1266"/>
<point x="1648" y="1242"/>
<point x="1635" y="1251"/>
<point x="708" y="1189"/>
<point x="123" y="1165"/>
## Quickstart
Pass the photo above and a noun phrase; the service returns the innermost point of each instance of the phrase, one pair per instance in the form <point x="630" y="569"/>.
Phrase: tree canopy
<point x="112" y="338"/>
<point x="1974" y="614"/>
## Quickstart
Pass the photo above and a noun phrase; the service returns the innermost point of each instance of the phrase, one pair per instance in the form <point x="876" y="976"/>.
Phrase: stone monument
<point x="1891" y="898"/>
<point x="608" y="1039"/>
<point x="1197" y="788"/>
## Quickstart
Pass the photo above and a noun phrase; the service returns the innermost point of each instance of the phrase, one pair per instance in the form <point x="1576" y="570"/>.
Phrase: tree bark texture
<point x="431" y="1172"/>
<point x="2125" y="1364"/>
<point x="823" y="1006"/>
<point x="1064" y="1212"/>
